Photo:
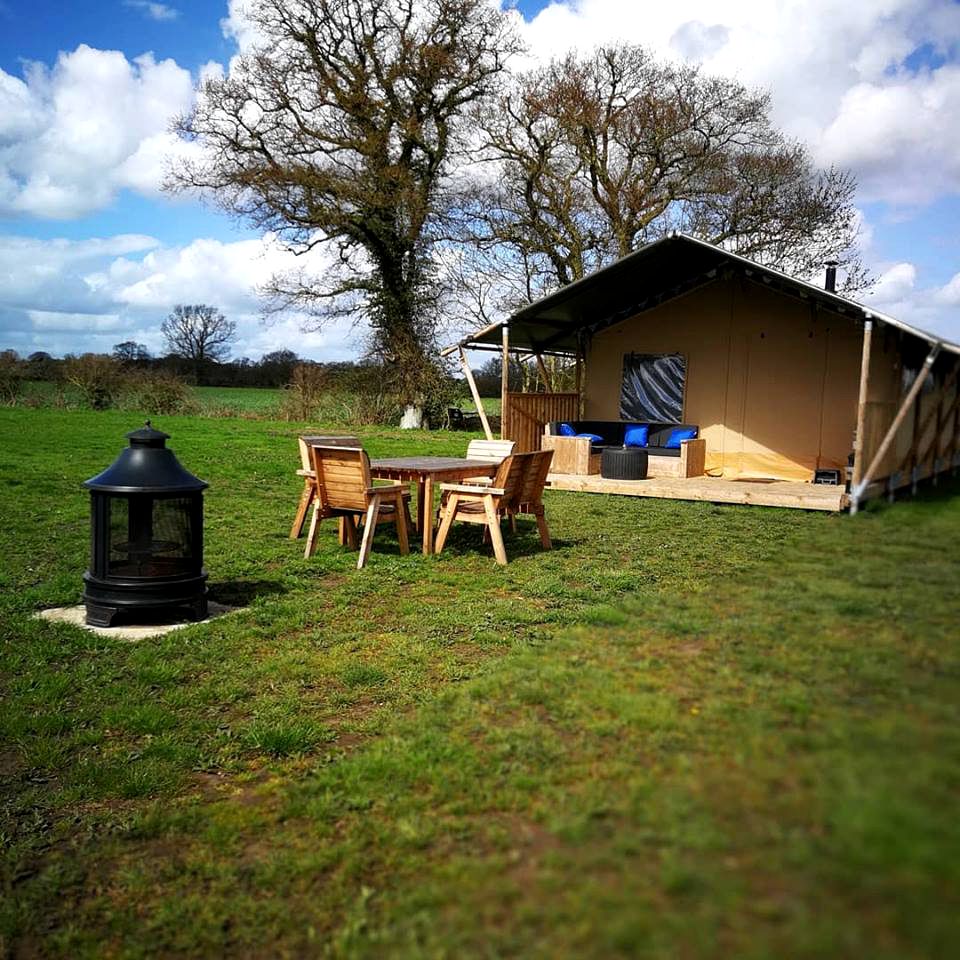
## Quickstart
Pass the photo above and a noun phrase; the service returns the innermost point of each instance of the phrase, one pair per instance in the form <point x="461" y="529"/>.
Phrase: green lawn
<point x="688" y="731"/>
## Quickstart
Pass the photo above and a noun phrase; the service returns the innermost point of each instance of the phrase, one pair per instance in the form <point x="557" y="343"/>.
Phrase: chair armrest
<point x="306" y="473"/>
<point x="390" y="487"/>
<point x="472" y="488"/>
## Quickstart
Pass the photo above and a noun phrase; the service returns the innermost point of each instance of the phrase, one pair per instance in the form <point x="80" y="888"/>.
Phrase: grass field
<point x="688" y="731"/>
<point x="260" y="400"/>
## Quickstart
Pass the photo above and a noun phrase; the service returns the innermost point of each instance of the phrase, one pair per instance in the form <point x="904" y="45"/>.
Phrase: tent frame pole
<point x="859" y="448"/>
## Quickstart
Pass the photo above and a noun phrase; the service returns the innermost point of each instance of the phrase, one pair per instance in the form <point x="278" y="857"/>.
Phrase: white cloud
<point x="932" y="308"/>
<point x="949" y="296"/>
<point x="836" y="72"/>
<point x="74" y="322"/>
<point x="154" y="11"/>
<point x="901" y="134"/>
<point x="73" y="135"/>
<point x="66" y="296"/>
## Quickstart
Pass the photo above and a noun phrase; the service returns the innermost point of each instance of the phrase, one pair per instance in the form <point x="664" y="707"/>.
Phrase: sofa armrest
<point x="571" y="454"/>
<point x="693" y="456"/>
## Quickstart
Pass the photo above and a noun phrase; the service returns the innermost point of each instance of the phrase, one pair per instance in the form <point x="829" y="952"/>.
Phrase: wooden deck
<point x="775" y="493"/>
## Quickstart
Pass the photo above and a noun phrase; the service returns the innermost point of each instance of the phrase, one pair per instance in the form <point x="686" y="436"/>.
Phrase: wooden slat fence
<point x="526" y="414"/>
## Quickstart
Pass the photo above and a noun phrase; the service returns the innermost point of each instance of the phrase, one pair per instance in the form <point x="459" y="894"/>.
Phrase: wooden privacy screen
<point x="526" y="414"/>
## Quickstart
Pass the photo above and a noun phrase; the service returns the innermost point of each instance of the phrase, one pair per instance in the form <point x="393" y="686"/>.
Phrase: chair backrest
<point x="492" y="451"/>
<point x="510" y="478"/>
<point x="535" y="477"/>
<point x="343" y="477"/>
<point x="304" y="443"/>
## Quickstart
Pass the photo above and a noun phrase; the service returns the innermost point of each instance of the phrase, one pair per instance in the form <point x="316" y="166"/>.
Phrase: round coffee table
<point x="623" y="463"/>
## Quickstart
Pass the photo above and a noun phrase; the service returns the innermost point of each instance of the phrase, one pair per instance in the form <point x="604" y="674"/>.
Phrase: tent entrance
<point x="652" y="387"/>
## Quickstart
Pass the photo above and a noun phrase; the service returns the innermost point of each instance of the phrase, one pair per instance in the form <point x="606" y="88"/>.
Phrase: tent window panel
<point x="652" y="388"/>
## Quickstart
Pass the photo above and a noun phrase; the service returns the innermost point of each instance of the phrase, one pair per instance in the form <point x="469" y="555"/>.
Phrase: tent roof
<point x="658" y="272"/>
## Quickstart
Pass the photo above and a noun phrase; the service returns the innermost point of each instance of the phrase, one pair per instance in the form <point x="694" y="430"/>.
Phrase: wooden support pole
<point x="859" y="452"/>
<point x="475" y="393"/>
<point x="857" y="492"/>
<point x="505" y="382"/>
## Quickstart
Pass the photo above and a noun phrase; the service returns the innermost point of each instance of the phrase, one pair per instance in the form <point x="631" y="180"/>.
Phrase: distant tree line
<point x="272" y="370"/>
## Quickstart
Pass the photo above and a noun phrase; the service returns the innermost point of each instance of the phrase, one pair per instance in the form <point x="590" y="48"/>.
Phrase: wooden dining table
<point x="427" y="472"/>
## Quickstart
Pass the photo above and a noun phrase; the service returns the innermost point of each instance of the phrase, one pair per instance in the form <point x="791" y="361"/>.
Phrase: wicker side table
<point x="623" y="463"/>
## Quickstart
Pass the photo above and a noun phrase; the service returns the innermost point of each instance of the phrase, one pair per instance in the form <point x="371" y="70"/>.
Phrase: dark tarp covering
<point x="652" y="389"/>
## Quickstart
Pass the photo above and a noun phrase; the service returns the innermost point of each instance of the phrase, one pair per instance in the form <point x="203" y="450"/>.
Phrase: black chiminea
<point x="146" y="534"/>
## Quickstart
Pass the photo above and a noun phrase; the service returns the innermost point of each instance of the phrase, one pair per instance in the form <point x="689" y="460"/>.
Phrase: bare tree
<point x="601" y="154"/>
<point x="340" y="128"/>
<point x="200" y="334"/>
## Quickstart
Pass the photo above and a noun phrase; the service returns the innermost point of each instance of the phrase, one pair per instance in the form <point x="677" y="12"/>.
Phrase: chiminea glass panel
<point x="150" y="538"/>
<point x="146" y="543"/>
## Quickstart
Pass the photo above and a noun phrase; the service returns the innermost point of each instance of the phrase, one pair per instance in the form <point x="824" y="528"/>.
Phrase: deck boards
<point x="778" y="493"/>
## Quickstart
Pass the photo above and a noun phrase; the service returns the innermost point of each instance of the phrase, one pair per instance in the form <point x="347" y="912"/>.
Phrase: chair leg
<point x="496" y="537"/>
<point x="400" y="516"/>
<point x="306" y="498"/>
<point x="449" y="512"/>
<point x="513" y="523"/>
<point x="369" y="527"/>
<point x="312" y="532"/>
<point x="544" y="530"/>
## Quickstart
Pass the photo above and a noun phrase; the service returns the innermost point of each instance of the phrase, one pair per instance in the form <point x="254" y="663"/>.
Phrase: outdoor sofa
<point x="581" y="454"/>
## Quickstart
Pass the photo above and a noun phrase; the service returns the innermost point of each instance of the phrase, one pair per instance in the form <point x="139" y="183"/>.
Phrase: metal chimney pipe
<point x="830" y="281"/>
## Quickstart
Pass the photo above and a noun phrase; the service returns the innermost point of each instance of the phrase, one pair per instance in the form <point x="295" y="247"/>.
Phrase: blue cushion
<point x="681" y="433"/>
<point x="593" y="437"/>
<point x="636" y="435"/>
<point x="566" y="430"/>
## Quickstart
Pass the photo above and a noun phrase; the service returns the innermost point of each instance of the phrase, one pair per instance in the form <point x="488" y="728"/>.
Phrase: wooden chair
<point x="344" y="490"/>
<point x="490" y="451"/>
<point x="309" y="480"/>
<point x="513" y="490"/>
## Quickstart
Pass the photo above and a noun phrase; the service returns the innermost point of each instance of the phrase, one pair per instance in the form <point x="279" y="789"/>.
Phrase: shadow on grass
<point x="945" y="489"/>
<point x="465" y="541"/>
<point x="240" y="593"/>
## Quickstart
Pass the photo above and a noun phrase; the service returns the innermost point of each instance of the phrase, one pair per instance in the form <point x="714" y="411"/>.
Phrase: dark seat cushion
<point x="612" y="431"/>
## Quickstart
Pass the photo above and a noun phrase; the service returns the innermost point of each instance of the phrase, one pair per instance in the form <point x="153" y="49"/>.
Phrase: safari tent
<point x="787" y="381"/>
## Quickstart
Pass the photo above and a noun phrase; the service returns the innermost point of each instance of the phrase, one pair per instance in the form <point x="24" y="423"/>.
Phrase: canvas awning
<point x="656" y="273"/>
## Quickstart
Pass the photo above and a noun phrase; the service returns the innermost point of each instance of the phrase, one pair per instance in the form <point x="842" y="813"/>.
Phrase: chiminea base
<point x="99" y="615"/>
<point x="105" y="600"/>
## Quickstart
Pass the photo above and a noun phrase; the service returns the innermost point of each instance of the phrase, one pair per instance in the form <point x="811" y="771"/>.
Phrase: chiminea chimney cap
<point x="146" y="436"/>
<point x="146" y="466"/>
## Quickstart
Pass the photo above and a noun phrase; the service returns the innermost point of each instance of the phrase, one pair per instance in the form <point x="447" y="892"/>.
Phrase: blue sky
<point x="91" y="252"/>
